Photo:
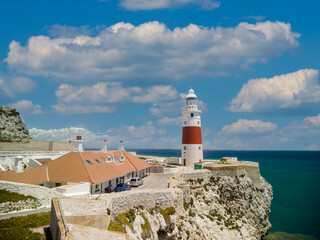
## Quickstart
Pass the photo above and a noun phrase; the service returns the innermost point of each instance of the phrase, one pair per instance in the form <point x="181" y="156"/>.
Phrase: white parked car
<point x="136" y="182"/>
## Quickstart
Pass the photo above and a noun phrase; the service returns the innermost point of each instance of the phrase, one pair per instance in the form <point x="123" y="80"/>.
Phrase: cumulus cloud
<point x="174" y="121"/>
<point x="64" y="108"/>
<point x="58" y="30"/>
<point x="134" y="5"/>
<point x="249" y="126"/>
<point x="27" y="107"/>
<point x="279" y="92"/>
<point x="313" y="121"/>
<point x="10" y="85"/>
<point x="152" y="51"/>
<point x="89" y="99"/>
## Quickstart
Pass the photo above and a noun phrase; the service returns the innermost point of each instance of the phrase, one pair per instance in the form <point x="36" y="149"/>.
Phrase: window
<point x="58" y="184"/>
<point x="184" y="122"/>
<point x="192" y="114"/>
<point x="97" y="161"/>
<point x="97" y="186"/>
<point x="185" y="148"/>
<point x="89" y="162"/>
<point x="199" y="147"/>
<point x="198" y="122"/>
<point x="110" y="182"/>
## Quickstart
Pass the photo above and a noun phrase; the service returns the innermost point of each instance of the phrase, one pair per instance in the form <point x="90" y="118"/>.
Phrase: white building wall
<point x="192" y="153"/>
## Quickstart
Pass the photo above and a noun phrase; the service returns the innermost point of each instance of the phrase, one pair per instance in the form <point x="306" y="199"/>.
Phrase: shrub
<point x="200" y="180"/>
<point x="185" y="205"/>
<point x="166" y="213"/>
<point x="115" y="226"/>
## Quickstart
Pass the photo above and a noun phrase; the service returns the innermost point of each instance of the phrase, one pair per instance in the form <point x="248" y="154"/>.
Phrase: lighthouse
<point x="191" y="151"/>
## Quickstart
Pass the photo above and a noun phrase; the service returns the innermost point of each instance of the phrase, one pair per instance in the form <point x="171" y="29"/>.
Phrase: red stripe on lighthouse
<point x="191" y="135"/>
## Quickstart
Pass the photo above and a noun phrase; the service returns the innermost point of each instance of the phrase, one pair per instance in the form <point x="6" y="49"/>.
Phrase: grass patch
<point x="7" y="196"/>
<point x="122" y="220"/>
<point x="166" y="213"/>
<point x="19" y="227"/>
<point x="146" y="226"/>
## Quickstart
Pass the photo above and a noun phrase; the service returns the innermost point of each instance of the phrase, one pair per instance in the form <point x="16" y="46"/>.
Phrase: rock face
<point x="12" y="127"/>
<point x="221" y="208"/>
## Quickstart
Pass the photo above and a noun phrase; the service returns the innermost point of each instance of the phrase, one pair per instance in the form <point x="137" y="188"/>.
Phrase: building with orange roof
<point x="102" y="169"/>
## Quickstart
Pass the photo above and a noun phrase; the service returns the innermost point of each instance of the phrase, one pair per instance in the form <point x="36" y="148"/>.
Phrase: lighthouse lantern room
<point x="191" y="151"/>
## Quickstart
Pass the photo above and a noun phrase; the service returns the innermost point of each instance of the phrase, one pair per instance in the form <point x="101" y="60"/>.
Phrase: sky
<point x="120" y="69"/>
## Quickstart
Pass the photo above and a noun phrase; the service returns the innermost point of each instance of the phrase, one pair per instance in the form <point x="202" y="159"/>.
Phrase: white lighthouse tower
<point x="191" y="151"/>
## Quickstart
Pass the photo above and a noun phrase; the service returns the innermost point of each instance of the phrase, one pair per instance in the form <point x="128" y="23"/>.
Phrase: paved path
<point x="24" y="213"/>
<point x="155" y="181"/>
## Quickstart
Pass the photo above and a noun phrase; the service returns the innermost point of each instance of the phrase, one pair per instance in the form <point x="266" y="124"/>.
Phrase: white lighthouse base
<point x="191" y="154"/>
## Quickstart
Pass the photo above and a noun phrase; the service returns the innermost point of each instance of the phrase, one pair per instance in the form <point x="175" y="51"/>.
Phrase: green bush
<point x="185" y="205"/>
<point x="166" y="213"/>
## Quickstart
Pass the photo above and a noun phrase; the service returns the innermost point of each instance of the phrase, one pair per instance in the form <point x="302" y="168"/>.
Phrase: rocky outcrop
<point x="222" y="208"/>
<point x="12" y="127"/>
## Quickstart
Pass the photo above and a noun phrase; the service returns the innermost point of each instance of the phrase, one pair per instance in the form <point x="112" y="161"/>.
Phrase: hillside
<point x="12" y="127"/>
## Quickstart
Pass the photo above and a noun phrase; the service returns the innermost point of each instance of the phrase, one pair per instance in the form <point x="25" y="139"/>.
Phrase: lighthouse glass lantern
<point x="191" y="151"/>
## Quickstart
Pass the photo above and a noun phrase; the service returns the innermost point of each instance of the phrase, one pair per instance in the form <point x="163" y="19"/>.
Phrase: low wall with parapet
<point x="42" y="193"/>
<point x="218" y="170"/>
<point x="34" y="145"/>
<point x="7" y="158"/>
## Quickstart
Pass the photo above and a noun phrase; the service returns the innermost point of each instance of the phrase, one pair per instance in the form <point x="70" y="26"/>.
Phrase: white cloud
<point x="58" y="30"/>
<point x="175" y="121"/>
<point x="157" y="93"/>
<point x="10" y="85"/>
<point x="161" y="4"/>
<point x="256" y="18"/>
<point x="92" y="99"/>
<point x="63" y="108"/>
<point x="279" y="92"/>
<point x="27" y="107"/>
<point x="313" y="120"/>
<point x="152" y="51"/>
<point x="249" y="126"/>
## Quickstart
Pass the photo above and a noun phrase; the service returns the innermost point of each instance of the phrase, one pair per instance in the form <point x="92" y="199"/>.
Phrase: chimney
<point x="104" y="146"/>
<point x="18" y="164"/>
<point x="78" y="144"/>
<point x="121" y="146"/>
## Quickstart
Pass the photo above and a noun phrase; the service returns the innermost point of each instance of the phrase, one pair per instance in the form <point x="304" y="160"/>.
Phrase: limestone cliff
<point x="218" y="208"/>
<point x="12" y="127"/>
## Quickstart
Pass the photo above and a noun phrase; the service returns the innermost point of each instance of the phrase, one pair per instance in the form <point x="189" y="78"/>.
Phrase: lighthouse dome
<point x="191" y="94"/>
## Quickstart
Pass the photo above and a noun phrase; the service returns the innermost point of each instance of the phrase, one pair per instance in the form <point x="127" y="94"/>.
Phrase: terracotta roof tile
<point x="30" y="175"/>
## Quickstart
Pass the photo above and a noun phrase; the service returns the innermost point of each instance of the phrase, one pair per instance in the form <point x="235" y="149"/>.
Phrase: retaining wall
<point x="42" y="193"/>
<point x="34" y="145"/>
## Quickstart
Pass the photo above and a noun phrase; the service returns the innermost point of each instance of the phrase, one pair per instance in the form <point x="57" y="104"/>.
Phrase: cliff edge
<point x="12" y="127"/>
<point x="219" y="209"/>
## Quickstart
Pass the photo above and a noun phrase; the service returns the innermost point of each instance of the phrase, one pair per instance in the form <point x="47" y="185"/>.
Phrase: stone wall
<point x="17" y="206"/>
<point x="42" y="193"/>
<point x="148" y="198"/>
<point x="34" y="145"/>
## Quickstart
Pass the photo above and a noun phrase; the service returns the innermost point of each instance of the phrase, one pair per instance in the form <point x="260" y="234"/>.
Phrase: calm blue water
<point x="295" y="178"/>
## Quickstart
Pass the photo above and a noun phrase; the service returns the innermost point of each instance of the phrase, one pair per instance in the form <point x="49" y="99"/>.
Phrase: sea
<point x="295" y="179"/>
